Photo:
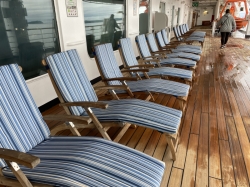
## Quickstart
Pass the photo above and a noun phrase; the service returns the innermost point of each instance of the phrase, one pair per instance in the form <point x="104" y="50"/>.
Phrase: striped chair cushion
<point x="184" y="55"/>
<point x="127" y="52"/>
<point x="140" y="112"/>
<point x="195" y="39"/>
<point x="107" y="62"/>
<point x="186" y="28"/>
<point x="159" y="86"/>
<point x="142" y="45"/>
<point x="151" y="42"/>
<point x="110" y="69"/>
<point x="186" y="49"/>
<point x="71" y="79"/>
<point x="95" y="162"/>
<point x="165" y="38"/>
<point x="168" y="71"/>
<point x="160" y="39"/>
<point x="21" y="124"/>
<point x="178" y="61"/>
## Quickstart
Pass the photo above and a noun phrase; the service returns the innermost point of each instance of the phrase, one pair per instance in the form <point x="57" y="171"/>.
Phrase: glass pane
<point x="144" y="16"/>
<point x="162" y="7"/>
<point x="104" y="22"/>
<point x="27" y="33"/>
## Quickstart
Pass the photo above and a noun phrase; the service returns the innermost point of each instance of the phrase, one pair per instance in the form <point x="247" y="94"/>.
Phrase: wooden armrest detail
<point x="68" y="118"/>
<point x="121" y="79"/>
<point x="135" y="70"/>
<point x="24" y="159"/>
<point x="140" y="65"/>
<point x="111" y="87"/>
<point x="145" y="58"/>
<point x="150" y="60"/>
<point x="86" y="104"/>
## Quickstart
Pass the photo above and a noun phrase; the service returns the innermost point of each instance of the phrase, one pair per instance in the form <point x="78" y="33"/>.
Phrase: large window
<point x="104" y="22"/>
<point x="27" y="34"/>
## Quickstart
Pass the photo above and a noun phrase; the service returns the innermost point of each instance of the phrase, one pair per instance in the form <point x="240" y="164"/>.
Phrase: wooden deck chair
<point x="194" y="33"/>
<point x="30" y="156"/>
<point x="174" y="48"/>
<point x="145" y="54"/>
<point x="183" y="33"/>
<point x="112" y="75"/>
<point x="130" y="62"/>
<point x="78" y="98"/>
<point x="186" y="39"/>
<point x="154" y="49"/>
<point x="178" y="44"/>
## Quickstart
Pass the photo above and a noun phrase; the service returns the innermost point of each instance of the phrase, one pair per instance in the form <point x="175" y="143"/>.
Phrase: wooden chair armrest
<point x="145" y="58"/>
<point x="150" y="60"/>
<point x="69" y="118"/>
<point x="111" y="87"/>
<point x="135" y="70"/>
<point x="86" y="104"/>
<point x="140" y="65"/>
<point x="24" y="159"/>
<point x="121" y="79"/>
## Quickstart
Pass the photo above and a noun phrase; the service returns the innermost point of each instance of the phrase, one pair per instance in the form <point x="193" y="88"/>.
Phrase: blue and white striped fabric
<point x="154" y="48"/>
<point x="166" y="41"/>
<point x="77" y="161"/>
<point x="130" y="60"/>
<point x="187" y="39"/>
<point x="177" y="50"/>
<point x="195" y="34"/>
<point x="110" y="69"/>
<point x="67" y="70"/>
<point x="198" y="32"/>
<point x="177" y="61"/>
<point x="21" y="124"/>
<point x="144" y="50"/>
<point x="194" y="38"/>
<point x="89" y="161"/>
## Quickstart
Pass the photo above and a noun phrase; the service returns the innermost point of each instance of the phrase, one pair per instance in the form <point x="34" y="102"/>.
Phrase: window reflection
<point x="104" y="22"/>
<point x="144" y="16"/>
<point x="27" y="32"/>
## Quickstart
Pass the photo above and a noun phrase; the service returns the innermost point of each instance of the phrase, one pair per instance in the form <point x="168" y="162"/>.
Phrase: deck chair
<point x="198" y="33"/>
<point x="30" y="156"/>
<point x="179" y="44"/>
<point x="145" y="54"/>
<point x="188" y="40"/>
<point x="112" y="75"/>
<point x="190" y="34"/>
<point x="78" y="98"/>
<point x="154" y="49"/>
<point x="174" y="48"/>
<point x="130" y="62"/>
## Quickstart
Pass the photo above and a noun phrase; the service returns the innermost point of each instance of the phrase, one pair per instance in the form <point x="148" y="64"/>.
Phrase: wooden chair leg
<point x="171" y="146"/>
<point x="121" y="133"/>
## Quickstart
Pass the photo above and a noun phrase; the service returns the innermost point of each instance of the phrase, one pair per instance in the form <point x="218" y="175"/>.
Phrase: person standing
<point x="226" y="25"/>
<point x="110" y="27"/>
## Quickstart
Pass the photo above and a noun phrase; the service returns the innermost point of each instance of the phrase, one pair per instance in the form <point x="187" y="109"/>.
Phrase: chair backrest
<point x="178" y="30"/>
<point x="127" y="52"/>
<point x="176" y="33"/>
<point x="187" y="29"/>
<point x="107" y="63"/>
<point x="142" y="45"/>
<point x="151" y="42"/>
<point x="181" y="29"/>
<point x="160" y="39"/>
<point x="21" y="124"/>
<point x="165" y="37"/>
<point x="71" y="79"/>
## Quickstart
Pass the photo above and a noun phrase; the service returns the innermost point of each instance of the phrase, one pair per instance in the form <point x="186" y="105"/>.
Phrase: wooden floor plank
<point x="175" y="178"/>
<point x="190" y="164"/>
<point x="247" y="125"/>
<point x="202" y="161"/>
<point x="237" y="157"/>
<point x="228" y="178"/>
<point x="214" y="182"/>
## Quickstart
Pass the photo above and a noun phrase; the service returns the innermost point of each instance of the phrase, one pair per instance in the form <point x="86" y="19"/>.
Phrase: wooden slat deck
<point x="214" y="147"/>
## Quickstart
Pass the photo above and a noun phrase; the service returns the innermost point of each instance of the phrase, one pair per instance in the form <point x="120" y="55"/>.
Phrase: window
<point x="104" y="22"/>
<point x="27" y="32"/>
<point x="144" y="16"/>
